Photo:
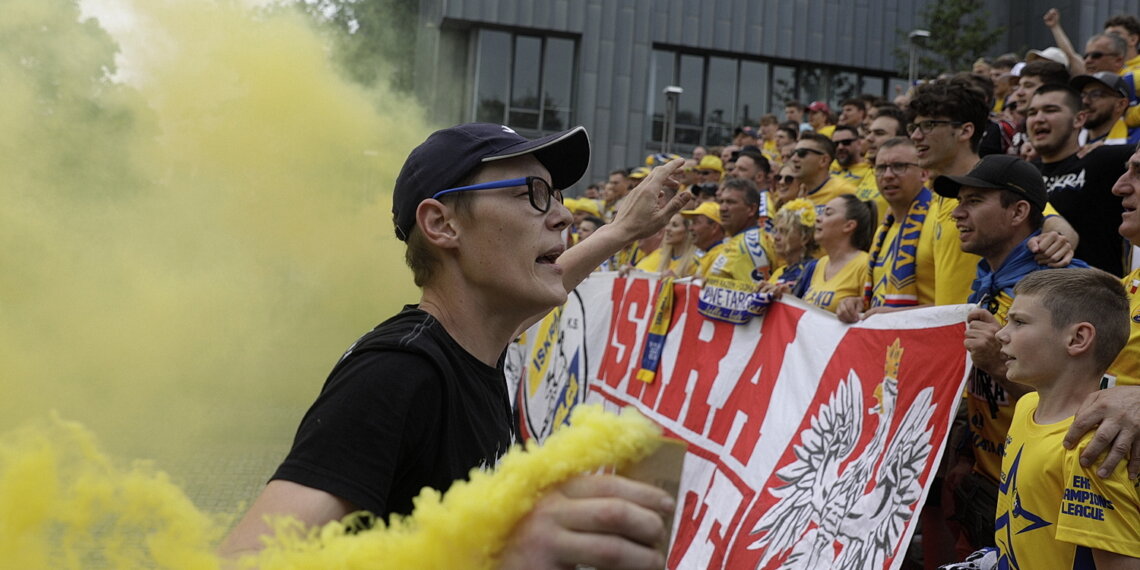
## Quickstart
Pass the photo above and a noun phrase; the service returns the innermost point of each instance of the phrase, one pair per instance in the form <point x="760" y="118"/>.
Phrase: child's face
<point x="1030" y="344"/>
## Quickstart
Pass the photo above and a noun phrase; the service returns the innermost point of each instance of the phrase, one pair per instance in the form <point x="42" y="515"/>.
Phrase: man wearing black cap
<point x="1079" y="186"/>
<point x="1105" y="98"/>
<point x="421" y="399"/>
<point x="949" y="120"/>
<point x="1000" y="207"/>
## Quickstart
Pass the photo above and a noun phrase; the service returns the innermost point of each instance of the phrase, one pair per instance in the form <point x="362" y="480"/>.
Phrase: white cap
<point x="1049" y="53"/>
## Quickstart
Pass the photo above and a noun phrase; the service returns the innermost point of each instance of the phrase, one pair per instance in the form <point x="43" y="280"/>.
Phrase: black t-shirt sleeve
<point x="375" y="414"/>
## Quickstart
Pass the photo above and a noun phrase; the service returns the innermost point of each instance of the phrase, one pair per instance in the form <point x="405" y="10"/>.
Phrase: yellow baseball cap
<point x="587" y="205"/>
<point x="708" y="209"/>
<point x="710" y="162"/>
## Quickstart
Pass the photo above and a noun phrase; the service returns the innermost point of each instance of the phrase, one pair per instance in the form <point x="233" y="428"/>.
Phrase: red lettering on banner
<point x="702" y="357"/>
<point x="753" y="390"/>
<point x="690" y="523"/>
<point x="631" y="306"/>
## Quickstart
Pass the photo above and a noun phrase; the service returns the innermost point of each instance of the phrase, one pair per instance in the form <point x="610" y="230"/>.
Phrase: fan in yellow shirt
<point x="844" y="233"/>
<point x="1064" y="328"/>
<point x="677" y="255"/>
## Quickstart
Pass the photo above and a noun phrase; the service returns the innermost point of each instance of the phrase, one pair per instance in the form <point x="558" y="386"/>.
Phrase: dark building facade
<point x="542" y="66"/>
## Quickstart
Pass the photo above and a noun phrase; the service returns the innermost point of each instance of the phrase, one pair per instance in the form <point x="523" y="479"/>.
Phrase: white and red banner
<point x="812" y="443"/>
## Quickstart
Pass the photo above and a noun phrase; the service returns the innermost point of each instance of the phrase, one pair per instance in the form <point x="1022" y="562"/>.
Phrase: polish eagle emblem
<point x="842" y="507"/>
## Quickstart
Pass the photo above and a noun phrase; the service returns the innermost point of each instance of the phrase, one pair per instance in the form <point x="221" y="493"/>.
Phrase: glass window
<point x="813" y="85"/>
<point x="557" y="84"/>
<point x="660" y="76"/>
<point x="720" y="101"/>
<point x="524" y="81"/>
<point x="524" y="85"/>
<point x="872" y="85"/>
<point x="691" y="79"/>
<point x="844" y="85"/>
<point x="491" y="77"/>
<point x="752" y="99"/>
<point x="783" y="88"/>
<point x="722" y="93"/>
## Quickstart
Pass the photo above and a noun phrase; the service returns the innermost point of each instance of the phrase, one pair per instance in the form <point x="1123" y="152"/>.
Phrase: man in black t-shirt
<point x="1080" y="188"/>
<point x="421" y="400"/>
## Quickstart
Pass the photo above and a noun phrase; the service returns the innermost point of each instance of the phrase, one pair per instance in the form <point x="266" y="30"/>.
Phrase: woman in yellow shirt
<point x="844" y="232"/>
<point x="677" y="256"/>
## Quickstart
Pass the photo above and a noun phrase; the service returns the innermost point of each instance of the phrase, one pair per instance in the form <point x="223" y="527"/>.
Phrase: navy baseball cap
<point x="451" y="155"/>
<point x="998" y="172"/>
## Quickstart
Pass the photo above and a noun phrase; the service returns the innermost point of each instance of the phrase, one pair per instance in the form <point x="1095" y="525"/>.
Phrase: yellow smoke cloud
<point x="64" y="506"/>
<point x="186" y="254"/>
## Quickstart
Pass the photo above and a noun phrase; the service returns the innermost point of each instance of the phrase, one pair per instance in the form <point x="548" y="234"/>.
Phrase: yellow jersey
<point x="954" y="269"/>
<point x="847" y="282"/>
<point x="743" y="258"/>
<point x="1126" y="367"/>
<point x="830" y="189"/>
<point x="652" y="264"/>
<point x="1051" y="511"/>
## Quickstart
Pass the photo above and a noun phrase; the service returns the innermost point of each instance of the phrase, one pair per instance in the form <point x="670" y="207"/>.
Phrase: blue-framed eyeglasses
<point x="540" y="192"/>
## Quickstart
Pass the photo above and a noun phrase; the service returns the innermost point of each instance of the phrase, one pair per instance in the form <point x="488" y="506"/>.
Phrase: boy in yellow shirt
<point x="1065" y="327"/>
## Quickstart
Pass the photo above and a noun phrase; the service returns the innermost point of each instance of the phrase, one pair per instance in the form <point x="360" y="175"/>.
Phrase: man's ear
<point x="1079" y="119"/>
<point x="1080" y="338"/>
<point x="1120" y="107"/>
<point x="967" y="131"/>
<point x="436" y="221"/>
<point x="1019" y="212"/>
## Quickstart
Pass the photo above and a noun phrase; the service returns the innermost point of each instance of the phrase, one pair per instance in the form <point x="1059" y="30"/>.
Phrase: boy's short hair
<point x="1084" y="295"/>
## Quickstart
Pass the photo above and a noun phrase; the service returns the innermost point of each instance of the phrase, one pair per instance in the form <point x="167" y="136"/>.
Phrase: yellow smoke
<point x="63" y="505"/>
<point x="185" y="254"/>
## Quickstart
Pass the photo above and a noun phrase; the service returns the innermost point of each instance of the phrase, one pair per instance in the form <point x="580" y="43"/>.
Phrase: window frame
<point x="547" y="108"/>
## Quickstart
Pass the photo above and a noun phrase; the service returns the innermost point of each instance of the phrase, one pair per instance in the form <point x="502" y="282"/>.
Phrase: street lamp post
<point x="916" y="36"/>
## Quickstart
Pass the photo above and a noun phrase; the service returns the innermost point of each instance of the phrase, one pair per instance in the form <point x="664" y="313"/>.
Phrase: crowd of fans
<point x="950" y="193"/>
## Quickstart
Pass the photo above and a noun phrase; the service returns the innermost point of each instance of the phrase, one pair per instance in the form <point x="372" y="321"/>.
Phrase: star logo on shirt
<point x="1015" y="521"/>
